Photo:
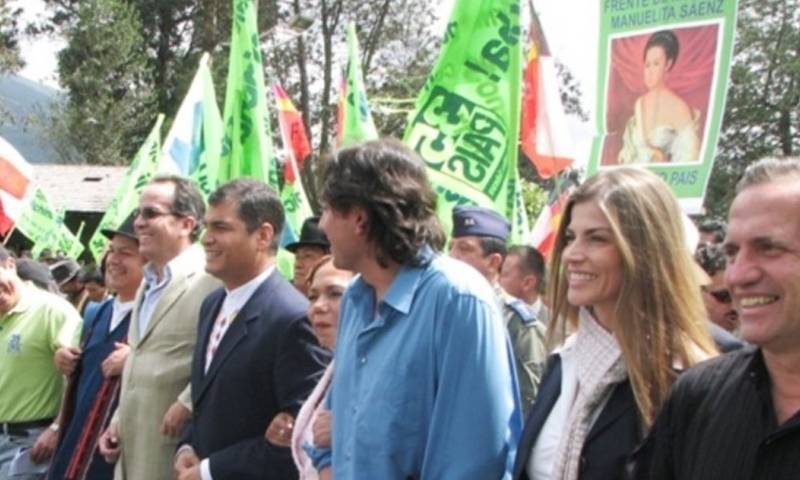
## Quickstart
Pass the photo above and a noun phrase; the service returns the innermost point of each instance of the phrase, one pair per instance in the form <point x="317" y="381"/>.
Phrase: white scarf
<point x="599" y="367"/>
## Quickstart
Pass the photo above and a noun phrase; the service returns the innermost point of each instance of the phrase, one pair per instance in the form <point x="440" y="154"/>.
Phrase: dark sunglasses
<point x="722" y="296"/>
<point x="149" y="213"/>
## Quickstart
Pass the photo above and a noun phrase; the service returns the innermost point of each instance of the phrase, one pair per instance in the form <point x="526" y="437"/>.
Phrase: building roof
<point x="79" y="188"/>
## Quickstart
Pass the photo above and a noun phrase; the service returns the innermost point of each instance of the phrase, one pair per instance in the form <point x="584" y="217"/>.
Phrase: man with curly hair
<point x="424" y="384"/>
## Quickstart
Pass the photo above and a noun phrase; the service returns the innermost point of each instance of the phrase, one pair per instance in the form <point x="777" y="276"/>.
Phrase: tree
<point x="104" y="68"/>
<point x="10" y="60"/>
<point x="762" y="113"/>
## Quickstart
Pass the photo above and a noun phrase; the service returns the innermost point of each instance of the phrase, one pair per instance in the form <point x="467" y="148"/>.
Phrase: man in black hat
<point x="95" y="366"/>
<point x="67" y="275"/>
<point x="312" y="245"/>
<point x="479" y="239"/>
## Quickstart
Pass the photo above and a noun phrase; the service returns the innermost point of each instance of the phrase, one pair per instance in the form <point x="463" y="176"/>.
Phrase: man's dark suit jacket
<point x="614" y="436"/>
<point x="268" y="362"/>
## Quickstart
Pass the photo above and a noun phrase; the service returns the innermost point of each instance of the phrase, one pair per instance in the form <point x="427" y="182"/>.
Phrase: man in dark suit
<point x="256" y="354"/>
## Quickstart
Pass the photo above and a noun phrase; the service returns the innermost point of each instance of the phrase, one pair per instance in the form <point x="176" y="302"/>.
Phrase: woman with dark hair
<point x="627" y="316"/>
<point x="325" y="285"/>
<point x="663" y="128"/>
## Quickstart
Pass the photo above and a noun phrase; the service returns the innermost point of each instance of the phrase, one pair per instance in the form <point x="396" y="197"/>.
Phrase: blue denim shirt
<point x="425" y="384"/>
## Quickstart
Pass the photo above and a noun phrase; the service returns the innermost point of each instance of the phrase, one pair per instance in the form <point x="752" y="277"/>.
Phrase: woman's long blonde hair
<point x="659" y="319"/>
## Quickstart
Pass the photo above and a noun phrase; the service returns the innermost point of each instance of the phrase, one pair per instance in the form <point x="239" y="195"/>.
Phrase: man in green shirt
<point x="33" y="325"/>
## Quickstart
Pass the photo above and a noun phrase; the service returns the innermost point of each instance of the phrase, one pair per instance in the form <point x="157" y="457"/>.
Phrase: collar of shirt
<point x="236" y="298"/>
<point x="187" y="260"/>
<point x="118" y="312"/>
<point x="400" y="294"/>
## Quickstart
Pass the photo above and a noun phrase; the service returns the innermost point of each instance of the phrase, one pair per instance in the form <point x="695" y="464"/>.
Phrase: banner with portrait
<point x="662" y="79"/>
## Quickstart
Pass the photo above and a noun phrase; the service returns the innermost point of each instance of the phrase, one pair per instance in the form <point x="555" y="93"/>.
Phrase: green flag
<point x="247" y="142"/>
<point x="126" y="197"/>
<point x="354" y="123"/>
<point x="192" y="145"/>
<point x="68" y="242"/>
<point x="44" y="226"/>
<point x="466" y="121"/>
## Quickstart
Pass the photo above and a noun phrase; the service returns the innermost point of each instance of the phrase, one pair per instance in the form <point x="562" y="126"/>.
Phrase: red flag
<point x="543" y="129"/>
<point x="544" y="231"/>
<point x="15" y="178"/>
<point x="293" y="131"/>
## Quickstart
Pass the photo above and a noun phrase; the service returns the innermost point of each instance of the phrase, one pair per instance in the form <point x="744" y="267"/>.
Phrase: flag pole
<point x="8" y="235"/>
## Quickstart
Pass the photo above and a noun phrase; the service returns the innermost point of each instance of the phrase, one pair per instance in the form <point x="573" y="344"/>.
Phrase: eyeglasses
<point x="722" y="296"/>
<point x="149" y="213"/>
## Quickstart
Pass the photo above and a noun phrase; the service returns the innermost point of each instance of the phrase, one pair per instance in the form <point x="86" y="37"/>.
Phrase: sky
<point x="39" y="53"/>
<point x="572" y="39"/>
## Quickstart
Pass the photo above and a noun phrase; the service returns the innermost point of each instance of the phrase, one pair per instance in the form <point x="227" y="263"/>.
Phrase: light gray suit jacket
<point x="156" y="373"/>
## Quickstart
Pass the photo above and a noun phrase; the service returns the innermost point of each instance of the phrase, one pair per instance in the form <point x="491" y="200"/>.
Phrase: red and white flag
<point x="543" y="235"/>
<point x="16" y="176"/>
<point x="544" y="136"/>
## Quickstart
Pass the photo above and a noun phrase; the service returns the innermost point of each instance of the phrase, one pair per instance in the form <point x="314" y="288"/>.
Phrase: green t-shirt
<point x="30" y="385"/>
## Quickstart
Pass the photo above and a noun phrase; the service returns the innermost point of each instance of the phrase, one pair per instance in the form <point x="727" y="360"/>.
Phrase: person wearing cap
<point x="37" y="273"/>
<point x="480" y="237"/>
<point x="67" y="275"/>
<point x="33" y="324"/>
<point x="95" y="366"/>
<point x="312" y="246"/>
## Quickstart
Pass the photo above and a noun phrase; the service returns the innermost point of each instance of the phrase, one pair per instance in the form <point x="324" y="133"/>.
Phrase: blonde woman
<point x="625" y="297"/>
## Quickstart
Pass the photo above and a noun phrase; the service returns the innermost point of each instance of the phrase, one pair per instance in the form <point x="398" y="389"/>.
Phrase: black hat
<point x="310" y="236"/>
<point x="479" y="221"/>
<point x="36" y="272"/>
<point x="126" y="229"/>
<point x="65" y="270"/>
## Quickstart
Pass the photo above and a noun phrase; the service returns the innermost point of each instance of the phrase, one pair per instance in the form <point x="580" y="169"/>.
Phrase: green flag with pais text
<point x="466" y="121"/>
<point x="126" y="198"/>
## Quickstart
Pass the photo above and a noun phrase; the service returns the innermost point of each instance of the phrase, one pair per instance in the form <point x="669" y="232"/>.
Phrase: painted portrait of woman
<point x="658" y="96"/>
<point x="663" y="128"/>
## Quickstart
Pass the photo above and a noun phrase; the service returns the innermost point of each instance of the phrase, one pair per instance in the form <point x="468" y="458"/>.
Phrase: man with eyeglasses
<point x="154" y="397"/>
<point x="716" y="295"/>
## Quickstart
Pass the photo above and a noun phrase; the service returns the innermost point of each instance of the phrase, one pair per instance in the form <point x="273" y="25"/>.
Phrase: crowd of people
<point x="636" y="352"/>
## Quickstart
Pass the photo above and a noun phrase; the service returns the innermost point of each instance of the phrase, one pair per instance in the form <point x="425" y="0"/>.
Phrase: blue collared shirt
<point x="424" y="385"/>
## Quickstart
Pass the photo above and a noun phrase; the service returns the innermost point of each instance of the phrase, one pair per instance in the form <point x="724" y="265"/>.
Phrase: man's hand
<point x="321" y="429"/>
<point x="191" y="474"/>
<point x="112" y="365"/>
<point x="186" y="459"/>
<point x="109" y="443"/>
<point x="44" y="447"/>
<point x="279" y="431"/>
<point x="66" y="359"/>
<point x="175" y="419"/>
<point x="326" y="474"/>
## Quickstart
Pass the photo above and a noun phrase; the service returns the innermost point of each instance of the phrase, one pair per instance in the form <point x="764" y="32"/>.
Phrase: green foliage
<point x="10" y="60"/>
<point x="105" y="71"/>
<point x="762" y="113"/>
<point x="535" y="198"/>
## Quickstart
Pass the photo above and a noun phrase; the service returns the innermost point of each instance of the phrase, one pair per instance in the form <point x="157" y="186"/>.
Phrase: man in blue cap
<point x="480" y="238"/>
